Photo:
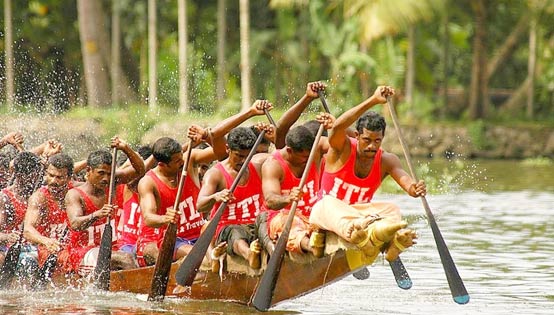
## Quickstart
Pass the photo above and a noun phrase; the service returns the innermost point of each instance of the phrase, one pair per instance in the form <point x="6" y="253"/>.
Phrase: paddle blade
<point x="163" y="265"/>
<point x="10" y="265"/>
<point x="45" y="272"/>
<point x="362" y="274"/>
<point x="264" y="291"/>
<point x="102" y="269"/>
<point x="189" y="267"/>
<point x="455" y="282"/>
<point x="400" y="274"/>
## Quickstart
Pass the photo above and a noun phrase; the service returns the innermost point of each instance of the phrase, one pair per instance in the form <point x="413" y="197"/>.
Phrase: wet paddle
<point x="266" y="286"/>
<point x="165" y="256"/>
<point x="457" y="288"/>
<point x="44" y="274"/>
<point x="188" y="269"/>
<point x="10" y="262"/>
<point x="102" y="270"/>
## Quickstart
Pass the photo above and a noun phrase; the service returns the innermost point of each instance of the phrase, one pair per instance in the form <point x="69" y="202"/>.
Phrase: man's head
<point x="168" y="152"/>
<point x="313" y="126"/>
<point x="371" y="121"/>
<point x="239" y="143"/>
<point x="59" y="172"/>
<point x="26" y="168"/>
<point x="299" y="143"/>
<point x="370" y="130"/>
<point x="202" y="167"/>
<point x="99" y="168"/>
<point x="263" y="147"/>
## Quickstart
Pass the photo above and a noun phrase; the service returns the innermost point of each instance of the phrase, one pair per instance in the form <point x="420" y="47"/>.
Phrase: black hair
<point x="98" y="158"/>
<point x="300" y="138"/>
<point x="313" y="126"/>
<point x="61" y="161"/>
<point x="164" y="148"/>
<point x="371" y="121"/>
<point x="257" y="133"/>
<point x="26" y="163"/>
<point x="241" y="138"/>
<point x="145" y="151"/>
<point x="5" y="160"/>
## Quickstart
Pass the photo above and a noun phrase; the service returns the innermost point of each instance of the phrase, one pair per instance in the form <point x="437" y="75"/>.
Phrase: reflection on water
<point x="500" y="239"/>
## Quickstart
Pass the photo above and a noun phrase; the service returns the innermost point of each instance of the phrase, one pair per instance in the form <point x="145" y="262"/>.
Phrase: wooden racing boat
<point x="296" y="278"/>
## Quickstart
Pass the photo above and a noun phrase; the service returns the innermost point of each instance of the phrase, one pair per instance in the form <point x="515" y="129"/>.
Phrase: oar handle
<point x="268" y="115"/>
<point x="403" y="144"/>
<point x="323" y="101"/>
<point x="111" y="192"/>
<point x="183" y="177"/>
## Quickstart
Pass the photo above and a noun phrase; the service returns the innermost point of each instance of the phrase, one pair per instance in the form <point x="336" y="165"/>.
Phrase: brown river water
<point x="496" y="217"/>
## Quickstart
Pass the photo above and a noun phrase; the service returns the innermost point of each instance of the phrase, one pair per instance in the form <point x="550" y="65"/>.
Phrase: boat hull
<point x="295" y="279"/>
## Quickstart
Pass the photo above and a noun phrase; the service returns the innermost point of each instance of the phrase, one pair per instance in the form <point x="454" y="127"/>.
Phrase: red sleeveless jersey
<point x="191" y="220"/>
<point x="346" y="186"/>
<point x="14" y="220"/>
<point x="248" y="199"/>
<point x="130" y="220"/>
<point x="93" y="234"/>
<point x="53" y="224"/>
<point x="310" y="189"/>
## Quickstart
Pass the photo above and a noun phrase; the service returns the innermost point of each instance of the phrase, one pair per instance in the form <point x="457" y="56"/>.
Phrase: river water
<point x="496" y="218"/>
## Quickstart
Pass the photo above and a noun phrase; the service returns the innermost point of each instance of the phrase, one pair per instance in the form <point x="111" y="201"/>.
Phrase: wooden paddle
<point x="10" y="262"/>
<point x="102" y="270"/>
<point x="264" y="291"/>
<point x="165" y="256"/>
<point x="457" y="288"/>
<point x="188" y="269"/>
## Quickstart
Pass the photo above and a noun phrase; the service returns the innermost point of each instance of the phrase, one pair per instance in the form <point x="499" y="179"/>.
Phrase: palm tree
<point x="90" y="15"/>
<point x="245" y="83"/>
<point x="152" y="64"/>
<point x="115" y="55"/>
<point x="221" y="34"/>
<point x="183" y="86"/>
<point x="8" y="29"/>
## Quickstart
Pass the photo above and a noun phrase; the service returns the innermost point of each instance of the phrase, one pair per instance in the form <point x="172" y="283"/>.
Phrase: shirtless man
<point x="354" y="170"/>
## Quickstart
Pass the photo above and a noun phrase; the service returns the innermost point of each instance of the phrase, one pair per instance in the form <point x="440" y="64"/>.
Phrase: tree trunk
<point x="116" y="55"/>
<point x="445" y="61"/>
<point x="507" y="48"/>
<point x="152" y="71"/>
<point x="410" y="68"/>
<point x="221" y="35"/>
<point x="10" y="78"/>
<point x="183" y="38"/>
<point x="364" y="76"/>
<point x="532" y="66"/>
<point x="478" y="88"/>
<point x="96" y="76"/>
<point x="244" y="55"/>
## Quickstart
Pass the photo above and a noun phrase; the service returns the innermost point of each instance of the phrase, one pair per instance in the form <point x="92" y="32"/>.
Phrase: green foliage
<point x="476" y="131"/>
<point x="538" y="161"/>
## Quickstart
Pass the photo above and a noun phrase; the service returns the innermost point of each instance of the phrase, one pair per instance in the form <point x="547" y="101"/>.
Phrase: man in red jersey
<point x="87" y="211"/>
<point x="45" y="219"/>
<point x="13" y="199"/>
<point x="236" y="230"/>
<point x="281" y="174"/>
<point x="354" y="170"/>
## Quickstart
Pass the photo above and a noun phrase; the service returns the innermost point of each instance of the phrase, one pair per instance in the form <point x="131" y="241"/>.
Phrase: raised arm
<point x="15" y="139"/>
<point x="125" y="175"/>
<point x="292" y="114"/>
